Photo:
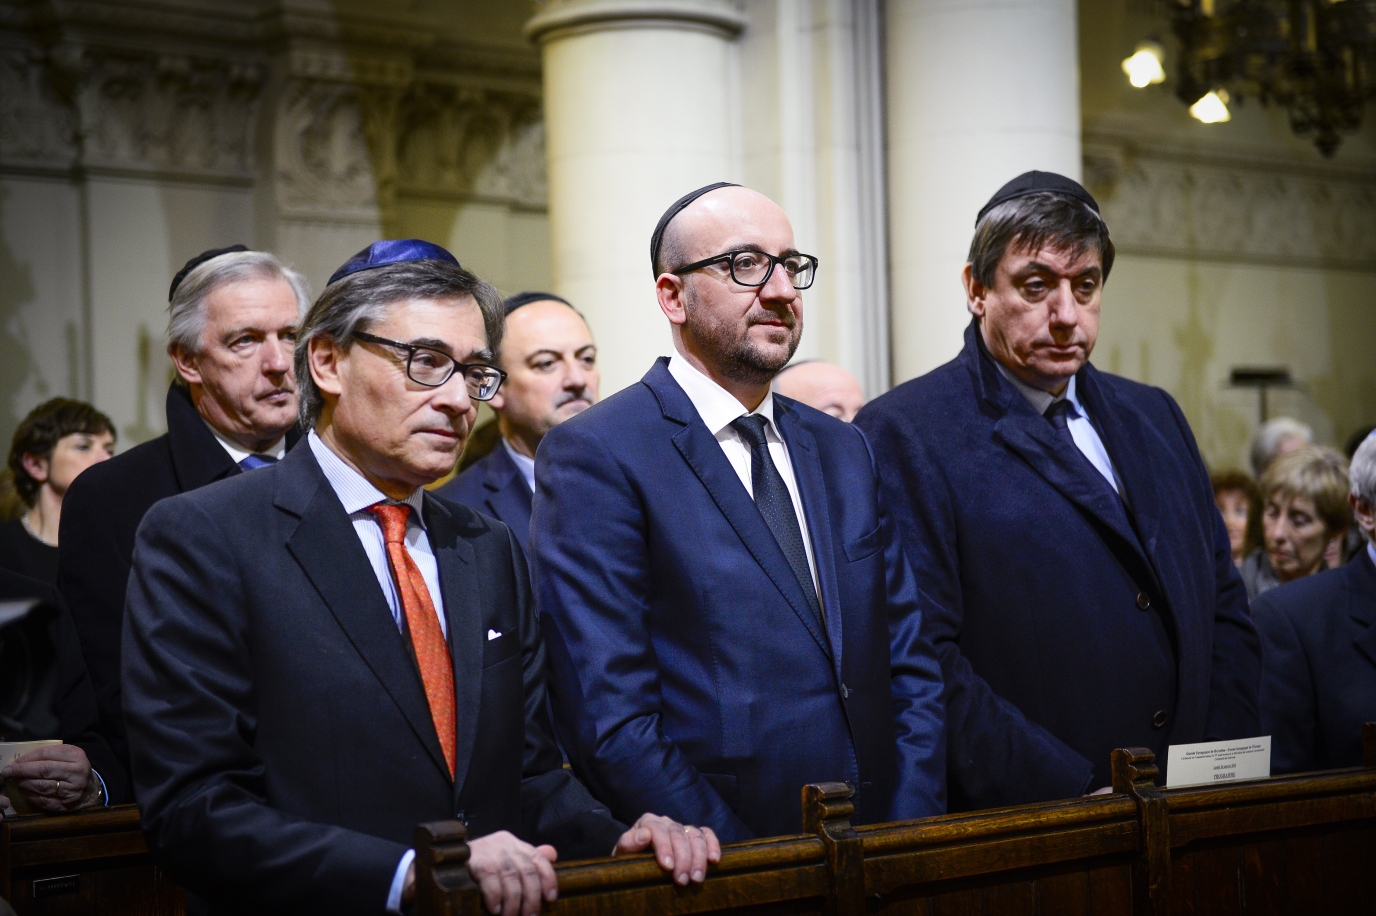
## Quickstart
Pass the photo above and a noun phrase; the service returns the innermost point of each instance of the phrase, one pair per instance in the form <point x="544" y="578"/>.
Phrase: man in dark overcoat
<point x="1061" y="521"/>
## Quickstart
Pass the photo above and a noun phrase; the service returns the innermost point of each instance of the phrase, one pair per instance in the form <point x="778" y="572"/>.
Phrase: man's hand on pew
<point x="54" y="779"/>
<point x="685" y="851"/>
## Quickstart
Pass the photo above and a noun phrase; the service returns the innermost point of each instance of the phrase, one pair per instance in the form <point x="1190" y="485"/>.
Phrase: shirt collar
<point x="1040" y="399"/>
<point x="717" y="406"/>
<point x="523" y="464"/>
<point x="1371" y="551"/>
<point x="353" y="489"/>
<point x="276" y="450"/>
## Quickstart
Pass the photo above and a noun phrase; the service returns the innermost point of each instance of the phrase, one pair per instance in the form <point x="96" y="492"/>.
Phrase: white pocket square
<point x="492" y="634"/>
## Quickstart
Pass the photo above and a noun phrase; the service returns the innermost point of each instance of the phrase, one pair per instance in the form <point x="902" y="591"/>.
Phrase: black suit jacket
<point x="100" y="514"/>
<point x="1067" y="624"/>
<point x="1318" y="684"/>
<point x="75" y="703"/>
<point x="282" y="745"/>
<point x="494" y="486"/>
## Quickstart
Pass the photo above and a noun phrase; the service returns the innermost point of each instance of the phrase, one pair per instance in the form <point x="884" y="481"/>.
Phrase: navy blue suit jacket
<point x="688" y="674"/>
<point x="1318" y="684"/>
<point x="1066" y="626"/>
<point x="282" y="746"/>
<point x="494" y="486"/>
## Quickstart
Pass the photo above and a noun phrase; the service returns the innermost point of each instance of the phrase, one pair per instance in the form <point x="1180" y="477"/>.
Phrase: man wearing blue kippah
<point x="320" y="655"/>
<point x="1084" y="594"/>
<point x="550" y="361"/>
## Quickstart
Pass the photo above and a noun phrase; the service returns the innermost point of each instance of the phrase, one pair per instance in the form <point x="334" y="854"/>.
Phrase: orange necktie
<point x="432" y="652"/>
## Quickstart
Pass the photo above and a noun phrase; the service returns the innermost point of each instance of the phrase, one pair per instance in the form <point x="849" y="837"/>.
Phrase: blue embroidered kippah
<point x="393" y="251"/>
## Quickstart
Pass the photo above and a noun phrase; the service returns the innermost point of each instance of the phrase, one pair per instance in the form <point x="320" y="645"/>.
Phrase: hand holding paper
<point x="49" y="775"/>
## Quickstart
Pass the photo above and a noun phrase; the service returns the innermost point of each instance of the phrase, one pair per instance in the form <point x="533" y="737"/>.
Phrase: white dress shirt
<point x="718" y="408"/>
<point x="357" y="494"/>
<point x="523" y="464"/>
<point x="276" y="450"/>
<point x="1076" y="420"/>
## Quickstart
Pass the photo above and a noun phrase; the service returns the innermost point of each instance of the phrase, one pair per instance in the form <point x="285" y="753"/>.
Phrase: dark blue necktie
<point x="254" y="462"/>
<point x="1056" y="413"/>
<point x="776" y="505"/>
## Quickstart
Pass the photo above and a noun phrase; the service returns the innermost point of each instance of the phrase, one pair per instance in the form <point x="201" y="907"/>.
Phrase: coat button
<point x="1158" y="720"/>
<point x="1143" y="600"/>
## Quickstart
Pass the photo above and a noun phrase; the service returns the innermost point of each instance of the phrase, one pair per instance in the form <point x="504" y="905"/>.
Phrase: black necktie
<point x="776" y="504"/>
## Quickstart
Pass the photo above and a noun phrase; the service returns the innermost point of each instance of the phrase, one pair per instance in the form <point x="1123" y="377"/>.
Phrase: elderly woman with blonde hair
<point x="1304" y="512"/>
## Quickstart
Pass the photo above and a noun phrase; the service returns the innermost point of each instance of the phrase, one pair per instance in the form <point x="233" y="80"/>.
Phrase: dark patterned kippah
<point x="1034" y="182"/>
<point x="393" y="251"/>
<point x="197" y="261"/>
<point x="512" y="303"/>
<point x="674" y="210"/>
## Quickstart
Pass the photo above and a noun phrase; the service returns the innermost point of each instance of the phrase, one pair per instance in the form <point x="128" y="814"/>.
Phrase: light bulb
<point x="1144" y="66"/>
<point x="1212" y="108"/>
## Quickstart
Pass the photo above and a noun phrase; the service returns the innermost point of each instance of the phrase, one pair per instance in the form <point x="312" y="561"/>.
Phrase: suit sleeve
<point x="919" y="715"/>
<point x="1236" y="670"/>
<point x="76" y="707"/>
<point x="191" y="716"/>
<point x="1289" y="710"/>
<point x="555" y="807"/>
<point x="92" y="575"/>
<point x="592" y="579"/>
<point x="995" y="755"/>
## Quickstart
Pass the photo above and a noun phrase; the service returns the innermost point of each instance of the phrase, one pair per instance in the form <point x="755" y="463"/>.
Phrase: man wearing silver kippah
<point x="1063" y="523"/>
<point x="232" y="318"/>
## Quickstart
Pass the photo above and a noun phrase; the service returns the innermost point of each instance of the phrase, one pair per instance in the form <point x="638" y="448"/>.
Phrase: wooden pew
<point x="88" y="864"/>
<point x="1293" y="845"/>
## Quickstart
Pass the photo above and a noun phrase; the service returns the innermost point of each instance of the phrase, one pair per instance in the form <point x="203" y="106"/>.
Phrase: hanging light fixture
<point x="1315" y="58"/>
<point x="1144" y="68"/>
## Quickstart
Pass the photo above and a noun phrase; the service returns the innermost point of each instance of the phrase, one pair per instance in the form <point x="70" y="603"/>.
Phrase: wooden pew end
<point x="442" y="867"/>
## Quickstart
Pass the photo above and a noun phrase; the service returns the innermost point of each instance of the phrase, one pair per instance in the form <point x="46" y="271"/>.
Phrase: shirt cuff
<point x="104" y="792"/>
<point x="399" y="881"/>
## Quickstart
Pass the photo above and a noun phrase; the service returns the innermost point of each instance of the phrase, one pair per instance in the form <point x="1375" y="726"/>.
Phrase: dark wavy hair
<point x="39" y="433"/>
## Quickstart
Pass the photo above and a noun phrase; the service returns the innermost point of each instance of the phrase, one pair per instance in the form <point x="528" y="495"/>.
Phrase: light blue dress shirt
<point x="1076" y="420"/>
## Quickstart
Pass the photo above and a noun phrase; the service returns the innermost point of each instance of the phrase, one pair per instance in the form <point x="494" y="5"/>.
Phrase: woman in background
<point x="1304" y="510"/>
<point x="1235" y="494"/>
<point x="57" y="441"/>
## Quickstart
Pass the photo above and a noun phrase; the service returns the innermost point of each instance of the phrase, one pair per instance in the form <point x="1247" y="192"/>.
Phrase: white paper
<point x="1218" y="762"/>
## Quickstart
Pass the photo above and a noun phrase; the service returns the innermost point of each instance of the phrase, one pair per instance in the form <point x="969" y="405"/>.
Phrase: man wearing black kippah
<point x="1063" y="523"/>
<point x="232" y="318"/>
<point x="550" y="360"/>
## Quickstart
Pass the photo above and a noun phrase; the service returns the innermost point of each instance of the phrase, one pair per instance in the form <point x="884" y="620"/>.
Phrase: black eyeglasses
<point x="432" y="368"/>
<point x="754" y="268"/>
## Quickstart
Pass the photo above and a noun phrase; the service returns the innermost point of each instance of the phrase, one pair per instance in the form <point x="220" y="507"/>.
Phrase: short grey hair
<point x="1362" y="473"/>
<point x="1269" y="437"/>
<point x="186" y="311"/>
<point x="1046" y="219"/>
<point x="364" y="298"/>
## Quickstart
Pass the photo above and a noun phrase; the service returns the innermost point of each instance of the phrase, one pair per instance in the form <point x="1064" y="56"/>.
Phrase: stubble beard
<point x="738" y="357"/>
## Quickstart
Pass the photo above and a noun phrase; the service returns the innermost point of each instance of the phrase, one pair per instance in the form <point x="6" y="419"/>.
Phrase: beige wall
<point x="1239" y="246"/>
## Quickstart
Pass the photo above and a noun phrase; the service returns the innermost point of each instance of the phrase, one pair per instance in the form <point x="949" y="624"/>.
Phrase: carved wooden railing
<point x="1292" y="844"/>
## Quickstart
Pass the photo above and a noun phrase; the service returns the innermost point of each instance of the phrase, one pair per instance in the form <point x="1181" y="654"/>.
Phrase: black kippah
<point x="512" y="303"/>
<point x="1035" y="182"/>
<point x="674" y="210"/>
<point x="197" y="261"/>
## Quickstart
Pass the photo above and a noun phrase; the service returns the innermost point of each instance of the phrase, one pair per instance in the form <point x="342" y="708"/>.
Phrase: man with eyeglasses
<point x="728" y="612"/>
<point x="321" y="655"/>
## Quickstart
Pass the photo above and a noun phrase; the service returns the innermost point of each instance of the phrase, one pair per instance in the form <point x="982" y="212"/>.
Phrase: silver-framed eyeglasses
<point x="432" y="368"/>
<point x="750" y="267"/>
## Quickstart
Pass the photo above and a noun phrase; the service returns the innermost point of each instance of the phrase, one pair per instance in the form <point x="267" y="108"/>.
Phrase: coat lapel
<point x="704" y="455"/>
<point x="1360" y="576"/>
<point x="807" y="468"/>
<point x="463" y="603"/>
<point x="327" y="548"/>
<point x="508" y="496"/>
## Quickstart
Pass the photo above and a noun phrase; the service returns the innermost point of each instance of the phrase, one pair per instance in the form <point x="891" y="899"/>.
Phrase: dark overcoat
<point x="1068" y="622"/>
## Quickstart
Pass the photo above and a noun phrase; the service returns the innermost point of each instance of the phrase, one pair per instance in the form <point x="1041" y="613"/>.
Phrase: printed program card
<point x="1217" y="762"/>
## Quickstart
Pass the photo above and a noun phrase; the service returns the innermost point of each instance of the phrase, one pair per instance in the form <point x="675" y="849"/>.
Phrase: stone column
<point x="640" y="108"/>
<point x="979" y="91"/>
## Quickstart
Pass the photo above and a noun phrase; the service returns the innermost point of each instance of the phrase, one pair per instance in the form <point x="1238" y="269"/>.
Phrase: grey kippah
<point x="1036" y="182"/>
<point x="677" y="207"/>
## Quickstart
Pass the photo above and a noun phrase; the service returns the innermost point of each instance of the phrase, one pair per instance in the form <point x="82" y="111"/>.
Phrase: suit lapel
<point x="463" y="603"/>
<point x="704" y="455"/>
<point x="807" y="469"/>
<point x="1360" y="583"/>
<point x="327" y="548"/>
<point x="1129" y="439"/>
<point x="508" y="496"/>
